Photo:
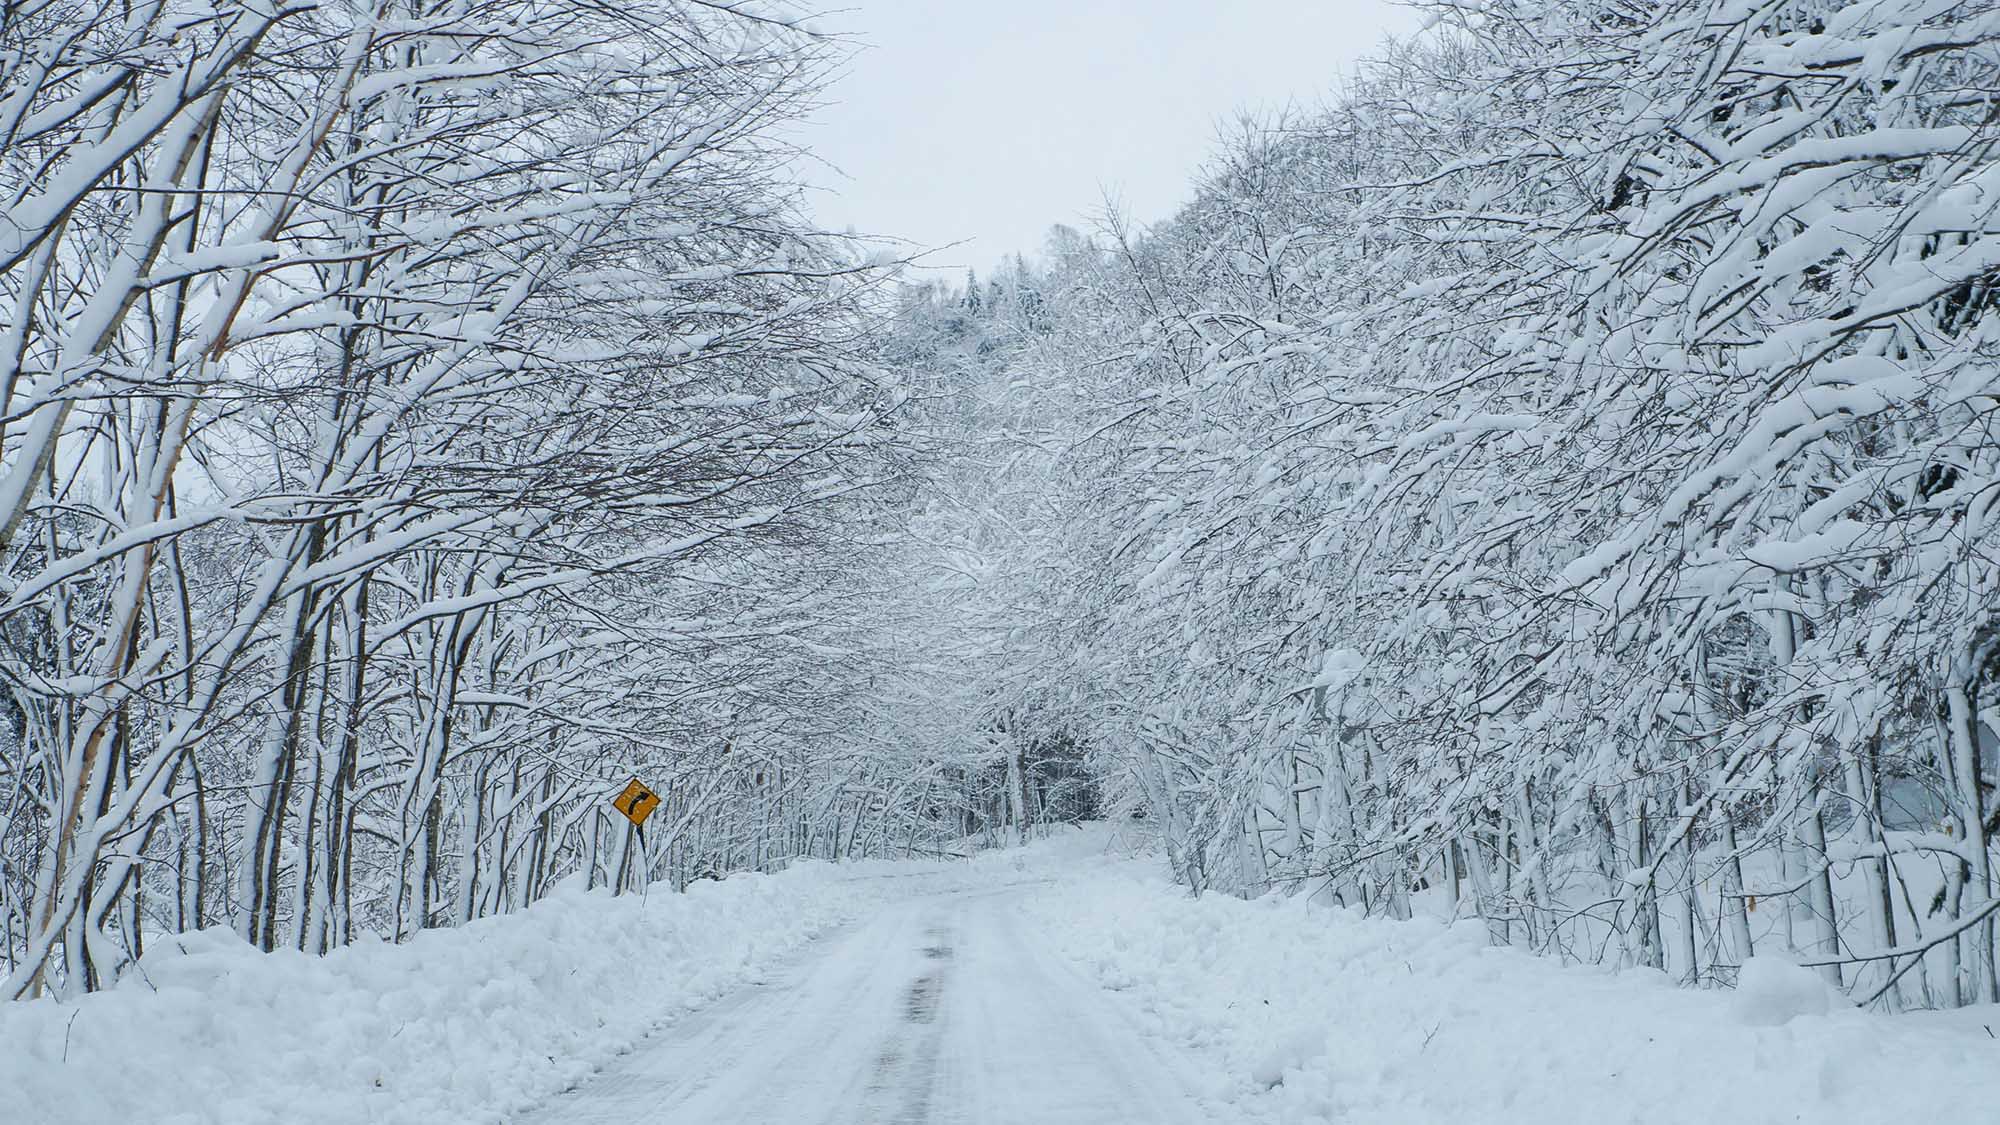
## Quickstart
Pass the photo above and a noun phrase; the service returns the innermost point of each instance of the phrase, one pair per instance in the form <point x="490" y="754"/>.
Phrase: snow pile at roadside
<point x="1318" y="1015"/>
<point x="462" y="1025"/>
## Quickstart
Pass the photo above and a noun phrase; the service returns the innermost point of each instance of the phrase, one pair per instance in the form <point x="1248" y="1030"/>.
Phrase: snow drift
<point x="1315" y="1014"/>
<point x="470" y="1024"/>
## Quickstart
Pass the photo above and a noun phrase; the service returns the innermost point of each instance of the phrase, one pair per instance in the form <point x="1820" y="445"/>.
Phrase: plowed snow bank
<point x="458" y="1025"/>
<point x="1316" y="1015"/>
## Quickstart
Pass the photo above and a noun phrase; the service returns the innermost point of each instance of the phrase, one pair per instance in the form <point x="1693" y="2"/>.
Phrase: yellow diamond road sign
<point x="637" y="802"/>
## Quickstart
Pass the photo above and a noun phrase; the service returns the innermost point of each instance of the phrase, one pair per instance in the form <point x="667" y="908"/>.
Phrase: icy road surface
<point x="945" y="1009"/>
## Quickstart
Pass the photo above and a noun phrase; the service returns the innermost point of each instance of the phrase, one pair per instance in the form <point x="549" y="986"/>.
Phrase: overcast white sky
<point x="989" y="120"/>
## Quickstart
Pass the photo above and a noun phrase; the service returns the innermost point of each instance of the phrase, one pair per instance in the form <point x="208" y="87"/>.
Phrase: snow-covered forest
<point x="1556" y="482"/>
<point x="1551" y="482"/>
<point x="419" y="418"/>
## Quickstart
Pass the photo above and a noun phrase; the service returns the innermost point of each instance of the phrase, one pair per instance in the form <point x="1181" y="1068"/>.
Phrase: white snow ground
<point x="939" y="1009"/>
<point x="1315" y="1015"/>
<point x="465" y="1025"/>
<point x="964" y="993"/>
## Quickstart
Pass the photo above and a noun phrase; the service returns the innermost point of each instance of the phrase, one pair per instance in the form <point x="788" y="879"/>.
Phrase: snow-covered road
<point x="1066" y="981"/>
<point x="944" y="1009"/>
